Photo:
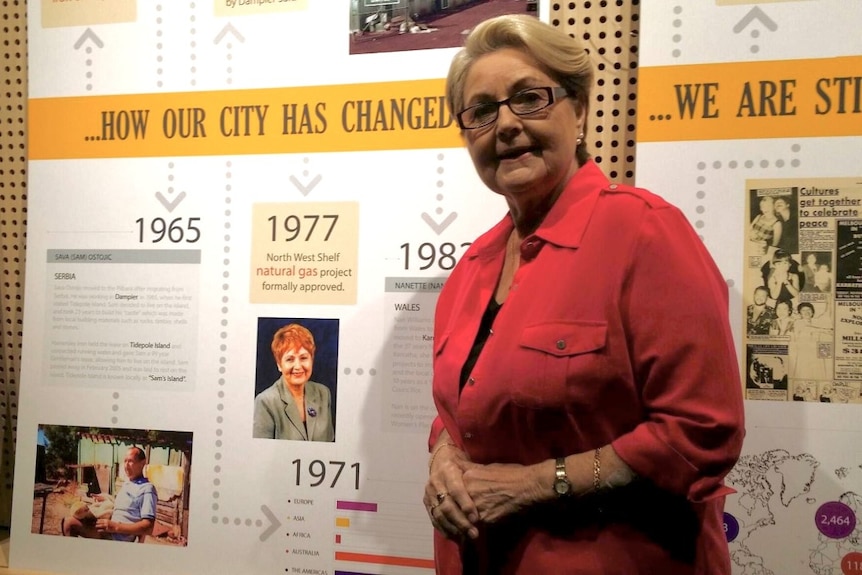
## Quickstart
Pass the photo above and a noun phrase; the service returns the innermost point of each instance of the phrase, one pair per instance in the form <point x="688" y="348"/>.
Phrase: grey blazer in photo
<point x="276" y="415"/>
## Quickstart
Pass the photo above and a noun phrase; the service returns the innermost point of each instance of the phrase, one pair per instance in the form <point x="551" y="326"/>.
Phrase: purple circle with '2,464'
<point x="835" y="520"/>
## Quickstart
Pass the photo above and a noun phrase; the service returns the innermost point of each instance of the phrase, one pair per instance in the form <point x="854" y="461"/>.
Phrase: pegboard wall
<point x="13" y="225"/>
<point x="609" y="28"/>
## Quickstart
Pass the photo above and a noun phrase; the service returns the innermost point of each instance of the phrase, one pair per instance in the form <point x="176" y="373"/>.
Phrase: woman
<point x="809" y="333"/>
<point x="823" y="279"/>
<point x="788" y="238"/>
<point x="809" y="270"/>
<point x="780" y="278"/>
<point x="583" y="426"/>
<point x="782" y="325"/>
<point x="765" y="229"/>
<point x="294" y="407"/>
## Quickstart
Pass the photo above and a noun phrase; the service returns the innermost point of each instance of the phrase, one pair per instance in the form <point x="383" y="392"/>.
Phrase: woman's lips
<point x="514" y="153"/>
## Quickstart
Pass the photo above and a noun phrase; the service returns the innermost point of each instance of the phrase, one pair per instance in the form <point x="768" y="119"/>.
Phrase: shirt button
<point x="491" y="331"/>
<point x="471" y="381"/>
<point x="468" y="435"/>
<point x="531" y="248"/>
<point x="561" y="344"/>
<point x="613" y="186"/>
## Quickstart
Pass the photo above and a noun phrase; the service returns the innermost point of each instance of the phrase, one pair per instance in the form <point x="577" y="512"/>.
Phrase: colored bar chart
<point x="382" y="535"/>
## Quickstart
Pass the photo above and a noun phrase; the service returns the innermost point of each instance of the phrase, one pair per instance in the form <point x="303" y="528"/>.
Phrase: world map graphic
<point x="792" y="516"/>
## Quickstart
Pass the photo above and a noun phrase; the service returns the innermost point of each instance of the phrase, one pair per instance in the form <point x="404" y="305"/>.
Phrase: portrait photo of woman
<point x="295" y="406"/>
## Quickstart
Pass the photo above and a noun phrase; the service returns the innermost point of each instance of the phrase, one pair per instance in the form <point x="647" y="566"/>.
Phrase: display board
<point x="758" y="104"/>
<point x="203" y="175"/>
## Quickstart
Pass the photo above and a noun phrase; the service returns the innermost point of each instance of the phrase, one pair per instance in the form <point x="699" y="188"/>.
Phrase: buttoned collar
<point x="565" y="223"/>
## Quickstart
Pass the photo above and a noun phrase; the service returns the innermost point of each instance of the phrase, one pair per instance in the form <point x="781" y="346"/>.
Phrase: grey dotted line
<point x="87" y="36"/>
<point x="229" y="29"/>
<point x="116" y="396"/>
<point x="700" y="209"/>
<point x="159" y="46"/>
<point x="360" y="371"/>
<point x="236" y="520"/>
<point x="115" y="408"/>
<point x="677" y="38"/>
<point x="440" y="182"/>
<point x="170" y="177"/>
<point x="755" y="34"/>
<point x="223" y="352"/>
<point x="229" y="67"/>
<point x="193" y="44"/>
<point x="89" y="63"/>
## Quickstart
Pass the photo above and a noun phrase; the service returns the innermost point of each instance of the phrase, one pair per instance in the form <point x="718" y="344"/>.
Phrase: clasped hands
<point x="460" y="494"/>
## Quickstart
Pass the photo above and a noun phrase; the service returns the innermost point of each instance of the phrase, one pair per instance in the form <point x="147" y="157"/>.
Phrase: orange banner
<point x="360" y="117"/>
<point x="751" y="100"/>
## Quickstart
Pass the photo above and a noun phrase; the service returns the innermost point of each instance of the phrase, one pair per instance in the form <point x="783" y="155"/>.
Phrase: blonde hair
<point x="562" y="57"/>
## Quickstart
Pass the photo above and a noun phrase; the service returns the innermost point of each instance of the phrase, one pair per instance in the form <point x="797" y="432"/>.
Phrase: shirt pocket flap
<point x="565" y="338"/>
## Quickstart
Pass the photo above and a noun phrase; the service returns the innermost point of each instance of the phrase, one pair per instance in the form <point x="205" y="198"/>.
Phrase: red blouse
<point x="615" y="330"/>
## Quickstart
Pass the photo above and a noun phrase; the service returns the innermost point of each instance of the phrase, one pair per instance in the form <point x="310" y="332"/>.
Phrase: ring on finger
<point x="441" y="496"/>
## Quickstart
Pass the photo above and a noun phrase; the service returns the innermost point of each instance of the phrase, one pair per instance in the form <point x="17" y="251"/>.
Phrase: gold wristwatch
<point x="562" y="485"/>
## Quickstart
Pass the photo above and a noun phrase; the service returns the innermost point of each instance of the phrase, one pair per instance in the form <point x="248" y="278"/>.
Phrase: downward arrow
<point x="439" y="228"/>
<point x="273" y="521"/>
<point x="302" y="188"/>
<point x="170" y="205"/>
<point x="755" y="14"/>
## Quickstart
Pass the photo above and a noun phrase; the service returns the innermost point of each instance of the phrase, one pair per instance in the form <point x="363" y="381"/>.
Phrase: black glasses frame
<point x="552" y="92"/>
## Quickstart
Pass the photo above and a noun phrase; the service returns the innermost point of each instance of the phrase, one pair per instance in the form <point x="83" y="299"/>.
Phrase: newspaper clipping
<point x="802" y="291"/>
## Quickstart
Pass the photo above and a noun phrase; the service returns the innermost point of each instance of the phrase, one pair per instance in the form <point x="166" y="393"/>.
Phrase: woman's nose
<point x="508" y="122"/>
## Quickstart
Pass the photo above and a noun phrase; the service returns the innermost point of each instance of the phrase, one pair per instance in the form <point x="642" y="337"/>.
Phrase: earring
<point x="580" y="139"/>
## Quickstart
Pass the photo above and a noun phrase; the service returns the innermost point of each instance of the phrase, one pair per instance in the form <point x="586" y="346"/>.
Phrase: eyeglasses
<point x="521" y="103"/>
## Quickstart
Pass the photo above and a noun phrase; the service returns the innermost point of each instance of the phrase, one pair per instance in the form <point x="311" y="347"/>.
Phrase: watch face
<point x="562" y="487"/>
